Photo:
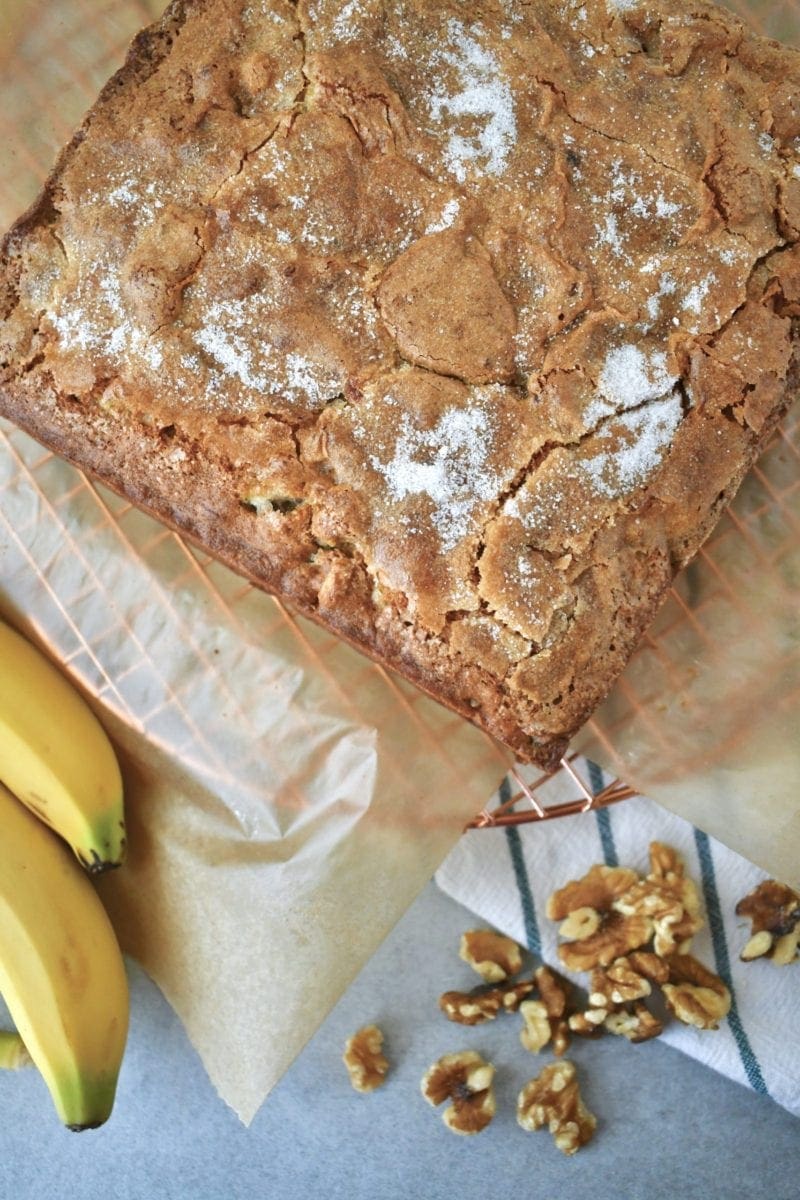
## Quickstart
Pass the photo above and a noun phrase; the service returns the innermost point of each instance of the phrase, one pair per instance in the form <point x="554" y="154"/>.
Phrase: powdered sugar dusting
<point x="449" y="214"/>
<point x="693" y="301"/>
<point x="448" y="463"/>
<point x="483" y="96"/>
<point x="629" y="462"/>
<point x="255" y="362"/>
<point x="629" y="377"/>
<point x="667" y="286"/>
<point x="346" y="20"/>
<point x="94" y="318"/>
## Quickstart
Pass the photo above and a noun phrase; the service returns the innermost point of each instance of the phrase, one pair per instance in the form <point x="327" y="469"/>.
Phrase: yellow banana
<point x="61" y="970"/>
<point x="55" y="755"/>
<point x="13" y="1051"/>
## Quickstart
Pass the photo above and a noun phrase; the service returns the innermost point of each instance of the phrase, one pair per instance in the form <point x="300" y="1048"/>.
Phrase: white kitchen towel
<point x="505" y="876"/>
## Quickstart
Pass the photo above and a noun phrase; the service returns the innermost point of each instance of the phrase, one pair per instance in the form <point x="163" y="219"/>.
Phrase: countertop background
<point x="668" y="1127"/>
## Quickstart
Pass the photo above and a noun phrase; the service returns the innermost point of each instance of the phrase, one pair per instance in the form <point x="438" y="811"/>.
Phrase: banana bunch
<point x="61" y="971"/>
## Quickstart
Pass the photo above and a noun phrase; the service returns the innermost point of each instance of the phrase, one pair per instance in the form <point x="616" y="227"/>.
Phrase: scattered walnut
<point x="362" y="1056"/>
<point x="620" y="983"/>
<point x="614" y="989"/>
<point x="473" y="1008"/>
<point x="586" y="908"/>
<point x="581" y="923"/>
<point x="553" y="1099"/>
<point x="616" y="936"/>
<point x="669" y="898"/>
<point x="554" y="991"/>
<point x="546" y="1019"/>
<point x="694" y="994"/>
<point x="466" y="1080"/>
<point x="774" y="912"/>
<point x="597" y="889"/>
<point x="492" y="955"/>
<point x="612" y="915"/>
<point x="637" y="1024"/>
<point x="537" y="1031"/>
<point x="588" y="1024"/>
<point x="468" y="1009"/>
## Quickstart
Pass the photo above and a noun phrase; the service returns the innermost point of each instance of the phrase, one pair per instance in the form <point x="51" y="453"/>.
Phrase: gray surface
<point x="668" y="1127"/>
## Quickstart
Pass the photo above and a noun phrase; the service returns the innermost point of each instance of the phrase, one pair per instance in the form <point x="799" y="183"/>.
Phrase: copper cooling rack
<point x="55" y="55"/>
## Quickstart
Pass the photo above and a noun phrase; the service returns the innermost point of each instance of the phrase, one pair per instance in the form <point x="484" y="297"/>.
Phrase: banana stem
<point x="13" y="1052"/>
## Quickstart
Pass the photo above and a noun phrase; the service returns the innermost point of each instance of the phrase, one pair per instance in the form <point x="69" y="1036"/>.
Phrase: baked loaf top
<point x="454" y="324"/>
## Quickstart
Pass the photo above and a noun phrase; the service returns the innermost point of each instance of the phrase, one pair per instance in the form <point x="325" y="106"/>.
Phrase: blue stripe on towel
<point x="749" y="1060"/>
<point x="532" y="937"/>
<point x="603" y="817"/>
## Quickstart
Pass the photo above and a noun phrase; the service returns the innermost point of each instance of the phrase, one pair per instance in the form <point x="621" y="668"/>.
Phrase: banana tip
<point x="96" y="865"/>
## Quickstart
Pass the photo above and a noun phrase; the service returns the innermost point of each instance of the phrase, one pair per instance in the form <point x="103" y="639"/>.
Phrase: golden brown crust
<point x="457" y="332"/>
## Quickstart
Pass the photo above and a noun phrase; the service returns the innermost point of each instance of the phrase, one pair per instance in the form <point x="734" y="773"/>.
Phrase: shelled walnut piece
<point x="465" y="1079"/>
<point x="585" y="908"/>
<point x="669" y="898"/>
<point x="493" y="955"/>
<point x="473" y="1008"/>
<point x="615" y="995"/>
<point x="553" y="1099"/>
<point x="546" y="1019"/>
<point x="366" y="1065"/>
<point x="694" y="994"/>
<point x="636" y="1023"/>
<point x="612" y="917"/>
<point x="774" y="912"/>
<point x="611" y="911"/>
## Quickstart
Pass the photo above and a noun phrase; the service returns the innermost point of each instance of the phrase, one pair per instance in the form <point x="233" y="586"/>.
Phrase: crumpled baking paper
<point x="286" y="798"/>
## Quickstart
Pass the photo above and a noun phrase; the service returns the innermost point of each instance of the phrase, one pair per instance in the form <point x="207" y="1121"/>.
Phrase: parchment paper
<point x="287" y="799"/>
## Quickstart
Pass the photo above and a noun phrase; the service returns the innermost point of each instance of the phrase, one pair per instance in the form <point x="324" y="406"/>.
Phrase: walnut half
<point x="669" y="898"/>
<point x="774" y="912"/>
<point x="694" y="994"/>
<point x="473" y="1008"/>
<point x="466" y="1080"/>
<point x="586" y="907"/>
<point x="362" y="1056"/>
<point x="553" y="1099"/>
<point x="493" y="955"/>
<point x="546" y="1018"/>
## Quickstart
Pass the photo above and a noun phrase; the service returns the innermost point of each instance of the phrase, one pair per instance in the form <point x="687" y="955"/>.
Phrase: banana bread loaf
<point x="455" y="325"/>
